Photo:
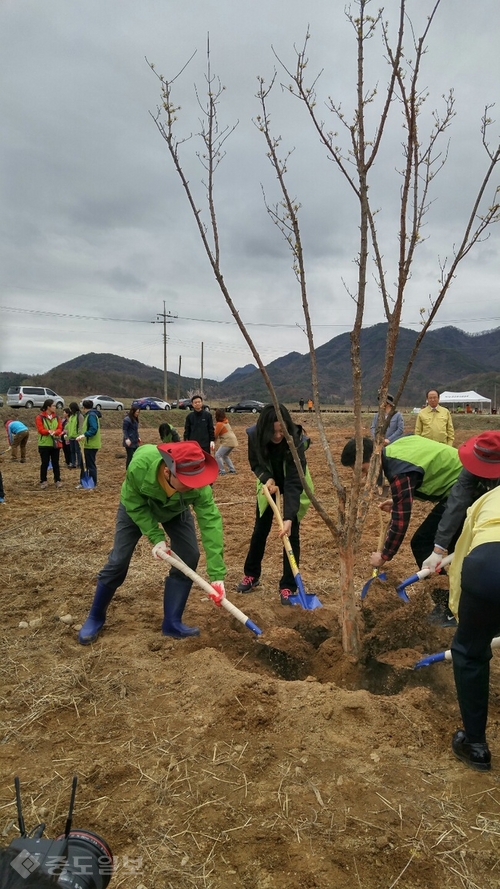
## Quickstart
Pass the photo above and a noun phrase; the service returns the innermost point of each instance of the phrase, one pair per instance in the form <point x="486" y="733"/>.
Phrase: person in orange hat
<point x="480" y="458"/>
<point x="161" y="484"/>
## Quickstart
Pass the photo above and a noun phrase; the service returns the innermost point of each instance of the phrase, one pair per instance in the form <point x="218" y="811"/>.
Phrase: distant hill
<point x="448" y="359"/>
<point x="102" y="372"/>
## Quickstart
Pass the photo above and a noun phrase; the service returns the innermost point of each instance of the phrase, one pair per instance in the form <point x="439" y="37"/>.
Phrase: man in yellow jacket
<point x="434" y="421"/>
<point x="475" y="598"/>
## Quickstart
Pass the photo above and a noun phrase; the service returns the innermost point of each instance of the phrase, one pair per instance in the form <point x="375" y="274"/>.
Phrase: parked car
<point x="151" y="404"/>
<point x="184" y="404"/>
<point x="103" y="402"/>
<point x="32" y="396"/>
<point x="247" y="407"/>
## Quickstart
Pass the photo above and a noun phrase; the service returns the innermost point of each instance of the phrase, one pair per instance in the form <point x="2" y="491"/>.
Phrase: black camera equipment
<point x="80" y="859"/>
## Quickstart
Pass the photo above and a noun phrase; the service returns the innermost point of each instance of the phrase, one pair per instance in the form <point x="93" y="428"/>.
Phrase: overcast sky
<point x="96" y="232"/>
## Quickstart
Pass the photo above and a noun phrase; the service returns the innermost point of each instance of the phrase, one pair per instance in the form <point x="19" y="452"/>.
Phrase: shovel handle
<point x="446" y="655"/>
<point x="424" y="572"/>
<point x="177" y="562"/>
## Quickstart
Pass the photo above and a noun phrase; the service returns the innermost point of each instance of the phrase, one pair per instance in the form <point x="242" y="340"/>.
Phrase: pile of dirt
<point x="227" y="759"/>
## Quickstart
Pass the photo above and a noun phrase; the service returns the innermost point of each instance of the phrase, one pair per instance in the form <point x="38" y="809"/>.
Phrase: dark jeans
<point x="2" y="492"/>
<point x="422" y="542"/>
<point x="46" y="455"/>
<point x="478" y="623"/>
<point x="253" y="561"/>
<point x="76" y="454"/>
<point x="90" y="455"/>
<point x="67" y="452"/>
<point x="180" y="530"/>
<point x="130" y="454"/>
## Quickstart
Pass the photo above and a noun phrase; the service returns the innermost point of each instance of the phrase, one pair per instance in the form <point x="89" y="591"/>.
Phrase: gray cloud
<point x="95" y="222"/>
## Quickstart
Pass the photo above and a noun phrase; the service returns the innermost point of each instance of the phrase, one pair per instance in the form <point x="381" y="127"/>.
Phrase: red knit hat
<point x="189" y="463"/>
<point x="481" y="454"/>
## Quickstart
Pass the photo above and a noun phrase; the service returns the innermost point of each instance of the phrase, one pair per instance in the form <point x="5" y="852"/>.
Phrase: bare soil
<point x="227" y="760"/>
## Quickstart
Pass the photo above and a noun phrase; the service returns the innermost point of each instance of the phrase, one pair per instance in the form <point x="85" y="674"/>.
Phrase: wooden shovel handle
<point x="273" y="505"/>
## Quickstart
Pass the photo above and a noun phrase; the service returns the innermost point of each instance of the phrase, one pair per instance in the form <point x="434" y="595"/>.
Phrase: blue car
<point x="151" y="404"/>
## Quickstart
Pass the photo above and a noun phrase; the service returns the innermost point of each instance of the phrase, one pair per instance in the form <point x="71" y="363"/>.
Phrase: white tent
<point x="463" y="398"/>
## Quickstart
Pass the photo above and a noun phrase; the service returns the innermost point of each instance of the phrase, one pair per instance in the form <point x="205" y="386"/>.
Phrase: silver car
<point x="103" y="402"/>
<point x="32" y="396"/>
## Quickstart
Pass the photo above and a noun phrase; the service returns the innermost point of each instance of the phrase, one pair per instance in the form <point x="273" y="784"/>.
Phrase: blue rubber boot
<point x="175" y="596"/>
<point x="97" y="614"/>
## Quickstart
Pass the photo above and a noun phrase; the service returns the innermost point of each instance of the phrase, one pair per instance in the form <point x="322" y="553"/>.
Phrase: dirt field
<point x="215" y="762"/>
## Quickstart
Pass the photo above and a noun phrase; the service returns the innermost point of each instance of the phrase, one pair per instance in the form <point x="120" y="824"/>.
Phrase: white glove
<point x="433" y="561"/>
<point x="160" y="550"/>
<point x="80" y="437"/>
<point x="218" y="592"/>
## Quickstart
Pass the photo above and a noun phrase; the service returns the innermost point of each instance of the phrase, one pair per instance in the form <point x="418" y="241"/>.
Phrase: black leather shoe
<point x="477" y="756"/>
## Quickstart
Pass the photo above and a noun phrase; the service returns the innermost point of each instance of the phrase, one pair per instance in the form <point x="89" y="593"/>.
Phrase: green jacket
<point x="147" y="505"/>
<point x="438" y="464"/>
<point x="91" y="429"/>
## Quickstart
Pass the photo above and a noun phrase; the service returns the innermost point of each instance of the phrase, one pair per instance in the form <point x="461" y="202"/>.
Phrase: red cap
<point x="189" y="463"/>
<point x="481" y="454"/>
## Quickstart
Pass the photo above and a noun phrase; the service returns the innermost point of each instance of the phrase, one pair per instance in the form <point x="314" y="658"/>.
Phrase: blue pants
<point x="478" y="622"/>
<point x="180" y="530"/>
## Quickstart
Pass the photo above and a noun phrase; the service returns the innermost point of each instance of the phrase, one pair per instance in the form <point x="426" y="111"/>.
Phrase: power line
<point x="215" y="321"/>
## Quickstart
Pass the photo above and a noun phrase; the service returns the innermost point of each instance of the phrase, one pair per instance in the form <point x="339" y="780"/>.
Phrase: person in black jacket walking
<point x="199" y="426"/>
<point x="271" y="461"/>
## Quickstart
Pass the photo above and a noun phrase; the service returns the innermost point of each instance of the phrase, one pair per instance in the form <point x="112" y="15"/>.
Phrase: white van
<point x="32" y="396"/>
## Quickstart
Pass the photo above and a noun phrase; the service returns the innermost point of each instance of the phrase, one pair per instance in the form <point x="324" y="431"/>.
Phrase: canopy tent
<point x="464" y="398"/>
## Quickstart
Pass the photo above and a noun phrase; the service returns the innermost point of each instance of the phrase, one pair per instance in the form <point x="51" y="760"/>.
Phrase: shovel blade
<point x="87" y="481"/>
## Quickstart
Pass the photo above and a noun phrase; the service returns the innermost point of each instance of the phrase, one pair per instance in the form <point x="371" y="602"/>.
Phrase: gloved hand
<point x="433" y="561"/>
<point x="159" y="548"/>
<point x="218" y="592"/>
<point x="80" y="437"/>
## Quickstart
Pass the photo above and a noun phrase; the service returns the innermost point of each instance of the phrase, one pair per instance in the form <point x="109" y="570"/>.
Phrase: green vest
<point x="439" y="463"/>
<point x="46" y="441"/>
<point x="72" y="426"/>
<point x="95" y="441"/>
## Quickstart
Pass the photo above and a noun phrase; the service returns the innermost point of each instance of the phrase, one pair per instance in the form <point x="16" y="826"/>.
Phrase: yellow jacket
<point x="482" y="525"/>
<point x="435" y="424"/>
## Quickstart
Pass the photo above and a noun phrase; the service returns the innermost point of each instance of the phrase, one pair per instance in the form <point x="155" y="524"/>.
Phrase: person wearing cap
<point x="475" y="599"/>
<point x="393" y="426"/>
<point x="480" y="459"/>
<point x="415" y="467"/>
<point x="162" y="483"/>
<point x="434" y="421"/>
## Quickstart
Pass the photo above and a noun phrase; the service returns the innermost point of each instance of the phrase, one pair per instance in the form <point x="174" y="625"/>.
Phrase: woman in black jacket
<point x="272" y="462"/>
<point x="131" y="440"/>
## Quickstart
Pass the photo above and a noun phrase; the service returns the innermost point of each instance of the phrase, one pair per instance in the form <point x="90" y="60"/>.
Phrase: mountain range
<point x="448" y="358"/>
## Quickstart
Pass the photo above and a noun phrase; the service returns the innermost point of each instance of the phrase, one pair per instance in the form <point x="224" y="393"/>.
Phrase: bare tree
<point x="422" y="158"/>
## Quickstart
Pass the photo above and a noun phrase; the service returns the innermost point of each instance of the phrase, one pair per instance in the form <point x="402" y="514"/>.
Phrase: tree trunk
<point x="349" y="614"/>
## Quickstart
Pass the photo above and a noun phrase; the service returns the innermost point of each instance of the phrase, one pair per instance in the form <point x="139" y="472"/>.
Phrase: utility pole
<point x="201" y="372"/>
<point x="163" y="318"/>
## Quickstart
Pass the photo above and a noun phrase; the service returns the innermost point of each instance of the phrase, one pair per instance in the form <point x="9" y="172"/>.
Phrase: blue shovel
<point x="86" y="479"/>
<point x="424" y="572"/>
<point x="446" y="655"/>
<point x="308" y="601"/>
<point x="170" y="557"/>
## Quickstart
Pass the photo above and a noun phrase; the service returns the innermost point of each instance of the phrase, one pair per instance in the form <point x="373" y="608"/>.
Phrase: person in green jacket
<point x="91" y="435"/>
<point x="162" y="483"/>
